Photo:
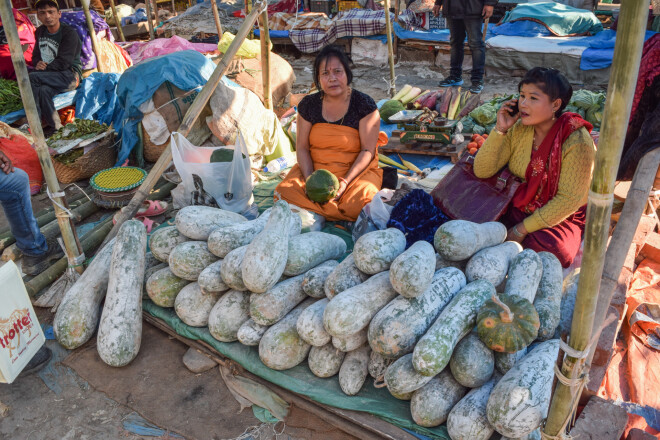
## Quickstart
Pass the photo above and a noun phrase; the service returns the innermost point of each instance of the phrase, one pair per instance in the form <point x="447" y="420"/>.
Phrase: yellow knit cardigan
<point x="515" y="149"/>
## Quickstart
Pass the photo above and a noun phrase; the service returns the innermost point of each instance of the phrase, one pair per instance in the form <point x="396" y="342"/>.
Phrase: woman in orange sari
<point x="337" y="130"/>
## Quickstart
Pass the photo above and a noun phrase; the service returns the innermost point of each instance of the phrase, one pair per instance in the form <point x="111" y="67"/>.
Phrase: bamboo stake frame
<point x="150" y="24"/>
<point x="627" y="56"/>
<point x="120" y="31"/>
<point x="188" y="120"/>
<point x="92" y="34"/>
<point x="390" y="49"/>
<point x="216" y="18"/>
<point x="264" y="38"/>
<point x="72" y="245"/>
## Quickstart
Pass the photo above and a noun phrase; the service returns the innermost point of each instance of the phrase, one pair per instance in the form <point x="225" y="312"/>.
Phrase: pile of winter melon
<point x="427" y="321"/>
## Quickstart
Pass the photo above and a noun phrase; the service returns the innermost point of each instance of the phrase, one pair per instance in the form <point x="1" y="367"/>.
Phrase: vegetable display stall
<point x="278" y="302"/>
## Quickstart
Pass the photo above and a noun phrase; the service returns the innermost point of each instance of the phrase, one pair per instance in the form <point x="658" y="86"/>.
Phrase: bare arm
<point x="303" y="128"/>
<point x="369" y="128"/>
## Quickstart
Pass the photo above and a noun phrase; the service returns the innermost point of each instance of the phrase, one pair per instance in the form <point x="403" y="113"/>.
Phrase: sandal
<point x="149" y="208"/>
<point x="148" y="223"/>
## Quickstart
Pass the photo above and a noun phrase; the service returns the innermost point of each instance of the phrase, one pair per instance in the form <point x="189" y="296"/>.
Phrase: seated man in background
<point x="56" y="60"/>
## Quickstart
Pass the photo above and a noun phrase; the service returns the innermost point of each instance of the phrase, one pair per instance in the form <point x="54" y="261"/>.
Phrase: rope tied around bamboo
<point x="580" y="372"/>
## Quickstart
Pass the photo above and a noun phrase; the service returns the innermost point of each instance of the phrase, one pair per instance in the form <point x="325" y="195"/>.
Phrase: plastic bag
<point x="248" y="49"/>
<point x="21" y="335"/>
<point x="374" y="215"/>
<point x="225" y="184"/>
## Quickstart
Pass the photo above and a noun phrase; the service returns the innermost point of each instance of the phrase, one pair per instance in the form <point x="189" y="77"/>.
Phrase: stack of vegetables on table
<point x="463" y="328"/>
<point x="448" y="102"/>
<point x="10" y="97"/>
<point x="482" y="119"/>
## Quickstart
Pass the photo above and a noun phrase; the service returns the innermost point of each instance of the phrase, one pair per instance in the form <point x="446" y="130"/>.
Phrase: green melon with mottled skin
<point x="467" y="420"/>
<point x="281" y="347"/>
<point x="458" y="240"/>
<point x="472" y="363"/>
<point x="397" y="327"/>
<point x="519" y="402"/>
<point x="433" y="351"/>
<point x="163" y="240"/>
<point x="188" y="259"/>
<point x="354" y="370"/>
<point x="375" y="251"/>
<point x="321" y="186"/>
<point x="163" y="287"/>
<point x="325" y="361"/>
<point x="430" y="405"/>
<point x="314" y="279"/>
<point x="228" y="315"/>
<point x="548" y="296"/>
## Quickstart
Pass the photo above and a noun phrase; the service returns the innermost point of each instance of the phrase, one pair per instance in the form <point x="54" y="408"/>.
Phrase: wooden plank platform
<point x="358" y="424"/>
<point x="454" y="152"/>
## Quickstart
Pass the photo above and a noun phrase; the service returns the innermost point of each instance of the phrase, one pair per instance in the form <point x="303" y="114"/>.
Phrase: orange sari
<point x="334" y="148"/>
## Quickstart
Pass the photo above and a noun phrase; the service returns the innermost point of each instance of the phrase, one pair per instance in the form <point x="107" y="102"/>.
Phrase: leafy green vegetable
<point x="485" y="114"/>
<point x="78" y="129"/>
<point x="10" y="97"/>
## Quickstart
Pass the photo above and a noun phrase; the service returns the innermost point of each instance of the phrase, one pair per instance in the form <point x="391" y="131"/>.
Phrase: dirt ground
<point x="78" y="397"/>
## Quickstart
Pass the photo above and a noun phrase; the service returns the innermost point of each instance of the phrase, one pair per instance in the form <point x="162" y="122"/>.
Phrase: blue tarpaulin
<point x="186" y="70"/>
<point x="96" y="99"/>
<point x="560" y="19"/>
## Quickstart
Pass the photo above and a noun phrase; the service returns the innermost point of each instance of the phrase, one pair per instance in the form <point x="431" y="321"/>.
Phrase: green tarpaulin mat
<point x="376" y="401"/>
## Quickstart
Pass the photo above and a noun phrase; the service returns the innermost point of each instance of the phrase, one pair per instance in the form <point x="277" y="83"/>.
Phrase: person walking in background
<point x="465" y="17"/>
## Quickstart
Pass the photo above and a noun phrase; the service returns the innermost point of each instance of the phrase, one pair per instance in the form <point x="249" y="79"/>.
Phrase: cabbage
<point x="478" y="129"/>
<point x="584" y="99"/>
<point x="594" y="114"/>
<point x="485" y="114"/>
<point x="468" y="124"/>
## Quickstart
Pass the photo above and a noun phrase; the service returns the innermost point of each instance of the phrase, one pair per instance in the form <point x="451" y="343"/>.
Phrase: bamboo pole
<point x="51" y="229"/>
<point x="7" y="238"/>
<point x="216" y="18"/>
<point x="71" y="244"/>
<point x="92" y="34"/>
<point x="623" y="234"/>
<point x="120" y="31"/>
<point x="390" y="48"/>
<point x="188" y="120"/>
<point x="623" y="78"/>
<point x="264" y="38"/>
<point x="150" y="24"/>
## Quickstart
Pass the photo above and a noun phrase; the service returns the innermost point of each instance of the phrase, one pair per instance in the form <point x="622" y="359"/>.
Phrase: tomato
<point x="473" y="151"/>
<point x="480" y="142"/>
<point x="472" y="145"/>
<point x="474" y="137"/>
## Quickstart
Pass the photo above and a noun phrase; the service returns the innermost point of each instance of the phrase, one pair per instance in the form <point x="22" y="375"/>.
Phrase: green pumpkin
<point x="507" y="324"/>
<point x="321" y="186"/>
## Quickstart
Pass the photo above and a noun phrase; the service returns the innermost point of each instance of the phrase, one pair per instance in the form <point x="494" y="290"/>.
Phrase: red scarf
<point x="542" y="175"/>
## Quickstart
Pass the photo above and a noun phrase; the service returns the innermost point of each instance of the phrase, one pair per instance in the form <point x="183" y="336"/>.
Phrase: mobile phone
<point x="514" y="110"/>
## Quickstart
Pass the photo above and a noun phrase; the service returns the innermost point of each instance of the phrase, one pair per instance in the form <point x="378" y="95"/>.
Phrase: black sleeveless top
<point x="361" y="104"/>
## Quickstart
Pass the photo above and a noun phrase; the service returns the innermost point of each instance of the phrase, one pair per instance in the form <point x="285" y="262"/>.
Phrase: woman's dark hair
<point x="331" y="52"/>
<point x="552" y="83"/>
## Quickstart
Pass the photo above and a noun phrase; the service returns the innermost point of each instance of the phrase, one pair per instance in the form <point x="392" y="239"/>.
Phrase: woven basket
<point x="116" y="186"/>
<point x="99" y="158"/>
<point x="151" y="151"/>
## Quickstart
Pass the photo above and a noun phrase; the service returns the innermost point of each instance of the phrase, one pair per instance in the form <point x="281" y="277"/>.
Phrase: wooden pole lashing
<point x="188" y="120"/>
<point x="623" y="79"/>
<point x="390" y="47"/>
<point x="264" y="38"/>
<point x="71" y="244"/>
<point x="120" y="31"/>
<point x="92" y="34"/>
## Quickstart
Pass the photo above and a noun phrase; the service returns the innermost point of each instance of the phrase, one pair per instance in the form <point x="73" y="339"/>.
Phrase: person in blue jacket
<point x="465" y="17"/>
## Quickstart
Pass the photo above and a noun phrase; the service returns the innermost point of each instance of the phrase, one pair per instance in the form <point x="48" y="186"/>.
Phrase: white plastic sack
<point x="228" y="184"/>
<point x="21" y="335"/>
<point x="154" y="123"/>
<point x="374" y="215"/>
<point x="236" y="109"/>
<point x="369" y="52"/>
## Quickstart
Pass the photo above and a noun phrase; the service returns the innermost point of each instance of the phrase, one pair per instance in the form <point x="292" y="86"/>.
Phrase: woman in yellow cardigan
<point x="553" y="153"/>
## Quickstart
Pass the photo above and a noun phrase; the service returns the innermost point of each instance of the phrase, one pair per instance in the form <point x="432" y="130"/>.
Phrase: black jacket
<point x="68" y="49"/>
<point x="464" y="8"/>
